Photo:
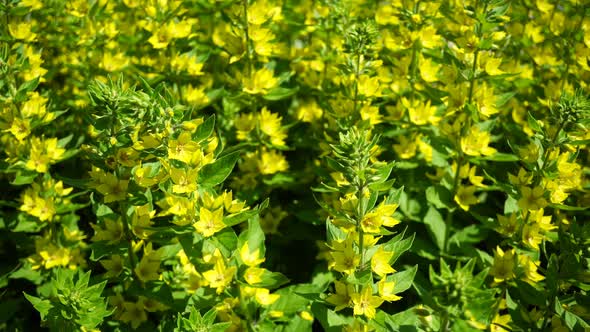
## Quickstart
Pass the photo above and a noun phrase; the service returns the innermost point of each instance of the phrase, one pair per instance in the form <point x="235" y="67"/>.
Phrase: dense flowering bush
<point x="296" y="165"/>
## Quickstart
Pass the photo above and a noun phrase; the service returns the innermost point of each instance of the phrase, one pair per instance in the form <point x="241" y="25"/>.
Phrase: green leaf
<point x="227" y="239"/>
<point x="500" y="157"/>
<point x="409" y="319"/>
<point x="26" y="272"/>
<point x="533" y="123"/>
<point x="469" y="234"/>
<point x="280" y="93"/>
<point x="25" y="88"/>
<point x="215" y="173"/>
<point x="24" y="177"/>
<point x="237" y="218"/>
<point x="330" y="320"/>
<point x="42" y="306"/>
<point x="436" y="227"/>
<point x="438" y="196"/>
<point x="205" y="129"/>
<point x="580" y="142"/>
<point x="568" y="208"/>
<point x="502" y="99"/>
<point x="398" y="246"/>
<point x="403" y="280"/>
<point x="272" y="280"/>
<point x="254" y="236"/>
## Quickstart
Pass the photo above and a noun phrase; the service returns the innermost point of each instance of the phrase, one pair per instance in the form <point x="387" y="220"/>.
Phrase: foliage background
<point x="460" y="124"/>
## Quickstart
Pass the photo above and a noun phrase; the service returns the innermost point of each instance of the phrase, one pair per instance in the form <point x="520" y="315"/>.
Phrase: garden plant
<point x="294" y="165"/>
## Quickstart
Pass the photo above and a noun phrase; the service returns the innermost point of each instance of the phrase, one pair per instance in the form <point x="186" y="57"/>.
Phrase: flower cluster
<point x="229" y="165"/>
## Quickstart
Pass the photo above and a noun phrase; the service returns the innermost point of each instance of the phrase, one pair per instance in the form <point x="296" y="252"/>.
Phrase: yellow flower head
<point x="341" y="299"/>
<point x="380" y="262"/>
<point x="260" y="82"/>
<point x="220" y="276"/>
<point x="476" y="143"/>
<point x="209" y="222"/>
<point x="365" y="303"/>
<point x="504" y="264"/>
<point x="250" y="257"/>
<point x="386" y="289"/>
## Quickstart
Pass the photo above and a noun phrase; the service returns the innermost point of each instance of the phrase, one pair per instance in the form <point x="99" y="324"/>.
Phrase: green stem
<point x="472" y="78"/>
<point x="444" y="323"/>
<point x="128" y="236"/>
<point x="361" y="215"/>
<point x="356" y="81"/>
<point x="247" y="36"/>
<point x="413" y="66"/>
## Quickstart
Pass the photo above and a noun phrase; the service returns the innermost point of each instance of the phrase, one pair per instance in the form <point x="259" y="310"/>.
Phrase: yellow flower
<point x="220" y="276"/>
<point x="112" y="188"/>
<point x="113" y="62"/>
<point x="160" y="37"/>
<point x="504" y="263"/>
<point x="380" y="262"/>
<point x="142" y="178"/>
<point x="476" y="143"/>
<point x="189" y="63"/>
<point x="507" y="225"/>
<point x="114" y="266"/>
<point x="428" y="70"/>
<point x="180" y="29"/>
<point x="20" y="128"/>
<point x="209" y="222"/>
<point x="306" y="315"/>
<point x="260" y="81"/>
<point x="492" y="66"/>
<point x="420" y="113"/>
<point x="21" y="31"/>
<point x="147" y="268"/>
<point x="500" y="321"/>
<point x="341" y="299"/>
<point x="344" y="257"/>
<point x="34" y="106"/>
<point x="386" y="290"/>
<point x="386" y="14"/>
<point x="380" y="216"/>
<point x="110" y="230"/>
<point x="543" y="221"/>
<point x="475" y="179"/>
<point x="34" y="4"/>
<point x="465" y="196"/>
<point x="532" y="198"/>
<point x="309" y="111"/>
<point x="253" y="275"/>
<point x="270" y="124"/>
<point x="141" y="221"/>
<point x="50" y="255"/>
<point x="406" y="148"/>
<point x="264" y="297"/>
<point x="529" y="267"/>
<point x="249" y="257"/>
<point x="134" y="313"/>
<point x="42" y="208"/>
<point x="195" y="96"/>
<point x="531" y="235"/>
<point x="486" y="100"/>
<point x="261" y="11"/>
<point x="368" y="86"/>
<point x="244" y="124"/>
<point x="182" y="148"/>
<point x="364" y="303"/>
<point x="271" y="162"/>
<point x="521" y="179"/>
<point x="184" y="181"/>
